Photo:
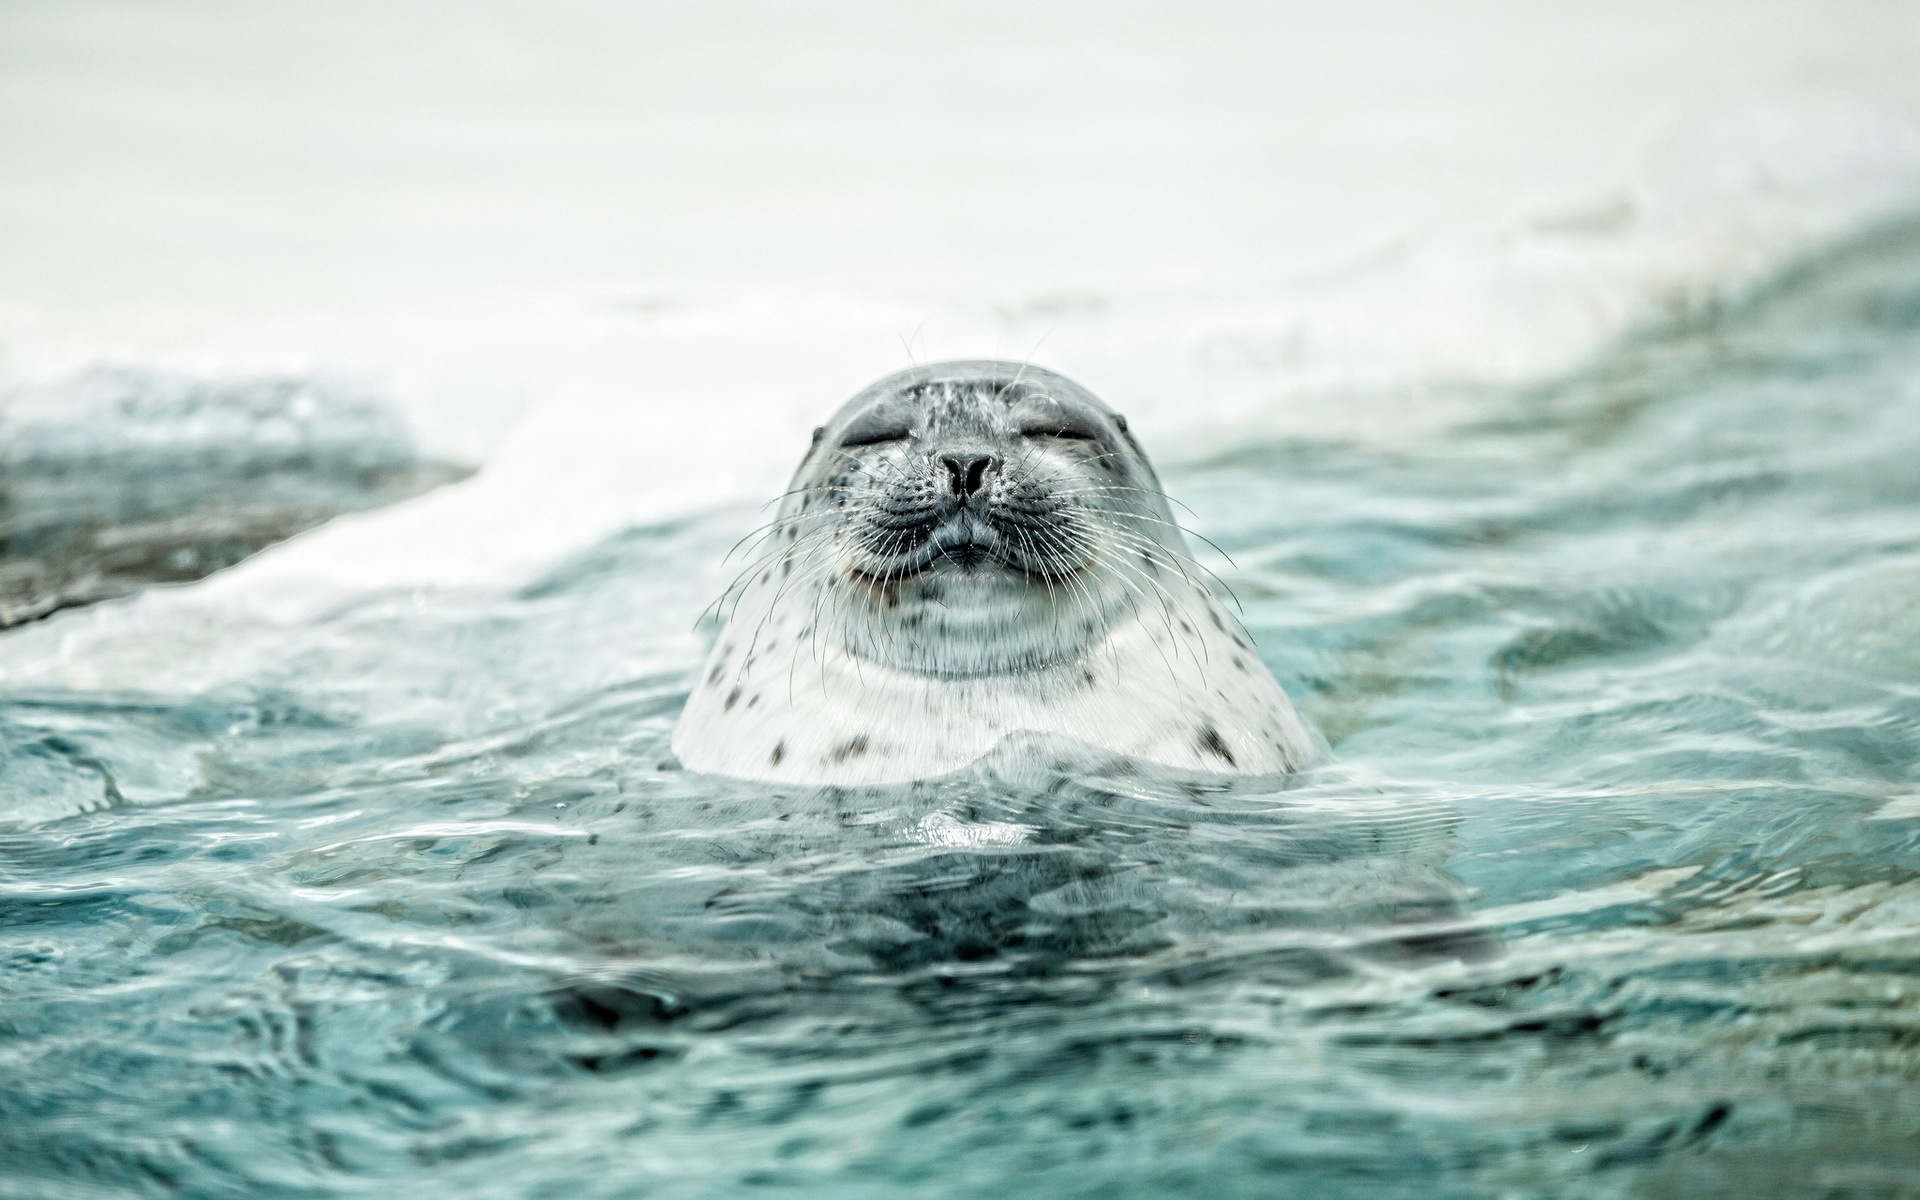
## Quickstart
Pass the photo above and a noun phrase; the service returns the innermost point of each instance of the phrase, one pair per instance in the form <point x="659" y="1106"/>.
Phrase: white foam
<point x="1408" y="207"/>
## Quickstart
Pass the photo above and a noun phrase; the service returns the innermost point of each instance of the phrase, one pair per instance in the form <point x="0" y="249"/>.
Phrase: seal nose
<point x="967" y="473"/>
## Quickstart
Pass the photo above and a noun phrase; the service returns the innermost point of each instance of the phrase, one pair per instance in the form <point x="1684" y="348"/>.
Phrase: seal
<point x="972" y="550"/>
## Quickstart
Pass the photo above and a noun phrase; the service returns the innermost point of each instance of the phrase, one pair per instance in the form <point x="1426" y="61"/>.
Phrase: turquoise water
<point x="1610" y="891"/>
<point x="155" y="478"/>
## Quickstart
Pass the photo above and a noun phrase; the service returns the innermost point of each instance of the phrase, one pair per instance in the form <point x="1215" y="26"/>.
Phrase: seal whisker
<point x="812" y="574"/>
<point x="805" y="491"/>
<point x="1079" y="588"/>
<point x="1108" y="524"/>
<point x="737" y="591"/>
<point x="766" y="562"/>
<point x="1128" y="571"/>
<point x="1189" y="531"/>
<point x="1154" y="492"/>
<point x="1188" y="558"/>
<point x="761" y="533"/>
<point x="1154" y="546"/>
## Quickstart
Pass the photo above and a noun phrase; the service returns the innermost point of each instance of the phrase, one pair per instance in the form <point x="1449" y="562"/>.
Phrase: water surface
<point x="1610" y="890"/>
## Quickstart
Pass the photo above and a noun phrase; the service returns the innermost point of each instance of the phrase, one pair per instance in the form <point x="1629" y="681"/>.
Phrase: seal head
<point x="971" y="550"/>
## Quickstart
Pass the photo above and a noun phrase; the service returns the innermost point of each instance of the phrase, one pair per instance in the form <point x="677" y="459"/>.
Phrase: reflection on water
<point x="1610" y="893"/>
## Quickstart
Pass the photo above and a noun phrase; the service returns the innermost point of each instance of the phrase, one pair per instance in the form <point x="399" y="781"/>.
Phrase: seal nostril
<point x="967" y="474"/>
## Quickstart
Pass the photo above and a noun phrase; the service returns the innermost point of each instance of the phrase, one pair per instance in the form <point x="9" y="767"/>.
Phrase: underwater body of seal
<point x="1608" y="888"/>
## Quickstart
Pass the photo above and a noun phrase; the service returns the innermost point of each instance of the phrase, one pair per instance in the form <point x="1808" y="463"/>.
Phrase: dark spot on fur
<point x="779" y="752"/>
<point x="1215" y="618"/>
<point x="851" y="748"/>
<point x="820" y="431"/>
<point x="1211" y="742"/>
<point x="719" y="669"/>
<point x="1240" y="664"/>
<point x="753" y="699"/>
<point x="1088" y="676"/>
<point x="1185" y="628"/>
<point x="733" y="698"/>
<point x="765" y="576"/>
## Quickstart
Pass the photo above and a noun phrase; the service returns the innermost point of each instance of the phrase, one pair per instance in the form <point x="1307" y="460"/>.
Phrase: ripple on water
<point x="1610" y="892"/>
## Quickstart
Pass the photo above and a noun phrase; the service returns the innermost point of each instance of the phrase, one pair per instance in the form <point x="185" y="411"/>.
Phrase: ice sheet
<point x="672" y="238"/>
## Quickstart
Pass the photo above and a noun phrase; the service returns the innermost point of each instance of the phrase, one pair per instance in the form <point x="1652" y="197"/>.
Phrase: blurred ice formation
<point x="116" y="478"/>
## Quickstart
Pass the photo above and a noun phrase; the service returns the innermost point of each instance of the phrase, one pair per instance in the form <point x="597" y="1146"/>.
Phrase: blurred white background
<point x="649" y="228"/>
<point x="338" y="152"/>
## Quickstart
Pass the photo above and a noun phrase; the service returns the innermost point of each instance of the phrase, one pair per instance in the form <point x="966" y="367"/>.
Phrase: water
<point x="1609" y="893"/>
<point x="117" y="478"/>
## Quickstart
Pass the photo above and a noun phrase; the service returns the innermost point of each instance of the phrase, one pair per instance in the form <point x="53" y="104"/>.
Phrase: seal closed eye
<point x="971" y="550"/>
